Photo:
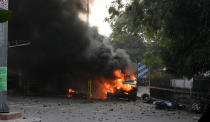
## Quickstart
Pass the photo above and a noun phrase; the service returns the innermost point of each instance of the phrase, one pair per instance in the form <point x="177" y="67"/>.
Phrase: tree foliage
<point x="134" y="46"/>
<point x="180" y="27"/>
<point x="153" y="62"/>
<point x="121" y="37"/>
<point x="4" y="15"/>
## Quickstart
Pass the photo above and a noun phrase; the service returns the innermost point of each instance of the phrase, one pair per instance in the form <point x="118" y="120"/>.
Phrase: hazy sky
<point x="98" y="12"/>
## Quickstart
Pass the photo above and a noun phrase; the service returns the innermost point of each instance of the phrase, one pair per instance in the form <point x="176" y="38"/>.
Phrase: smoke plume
<point x="64" y="51"/>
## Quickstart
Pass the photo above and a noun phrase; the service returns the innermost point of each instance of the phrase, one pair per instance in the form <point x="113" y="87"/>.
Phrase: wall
<point x="182" y="83"/>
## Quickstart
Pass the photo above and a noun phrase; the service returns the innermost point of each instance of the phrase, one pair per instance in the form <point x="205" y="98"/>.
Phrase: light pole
<point x="3" y="67"/>
<point x="3" y="61"/>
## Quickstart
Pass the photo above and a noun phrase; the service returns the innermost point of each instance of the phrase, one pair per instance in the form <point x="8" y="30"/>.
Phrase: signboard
<point x="3" y="78"/>
<point x="3" y="4"/>
<point x="142" y="71"/>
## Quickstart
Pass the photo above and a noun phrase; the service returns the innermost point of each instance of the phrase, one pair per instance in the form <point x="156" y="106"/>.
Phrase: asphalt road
<point x="37" y="109"/>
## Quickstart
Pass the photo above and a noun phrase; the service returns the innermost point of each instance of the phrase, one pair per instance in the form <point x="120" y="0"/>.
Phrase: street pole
<point x="3" y="64"/>
<point x="3" y="67"/>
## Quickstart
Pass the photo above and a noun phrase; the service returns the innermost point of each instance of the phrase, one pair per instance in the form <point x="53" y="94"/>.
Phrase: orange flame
<point x="70" y="91"/>
<point x="110" y="85"/>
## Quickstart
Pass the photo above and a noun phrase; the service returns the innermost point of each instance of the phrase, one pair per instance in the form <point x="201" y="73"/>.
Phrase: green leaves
<point x="180" y="27"/>
<point x="113" y="12"/>
<point x="5" y="15"/>
<point x="153" y="62"/>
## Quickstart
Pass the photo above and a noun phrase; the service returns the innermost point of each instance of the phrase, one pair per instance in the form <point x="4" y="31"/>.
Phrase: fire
<point x="111" y="85"/>
<point x="70" y="91"/>
<point x="103" y="85"/>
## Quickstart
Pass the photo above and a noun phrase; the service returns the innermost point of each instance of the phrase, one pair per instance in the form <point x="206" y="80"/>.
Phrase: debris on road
<point x="58" y="109"/>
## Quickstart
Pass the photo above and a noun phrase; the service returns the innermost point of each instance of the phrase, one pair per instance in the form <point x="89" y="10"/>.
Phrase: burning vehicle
<point x="126" y="94"/>
<point x="122" y="85"/>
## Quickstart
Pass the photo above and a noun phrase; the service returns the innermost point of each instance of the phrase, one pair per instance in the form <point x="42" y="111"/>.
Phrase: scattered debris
<point x="37" y="121"/>
<point x="168" y="105"/>
<point x="196" y="107"/>
<point x="21" y="108"/>
<point x="195" y="118"/>
<point x="55" y="109"/>
<point x="111" y="109"/>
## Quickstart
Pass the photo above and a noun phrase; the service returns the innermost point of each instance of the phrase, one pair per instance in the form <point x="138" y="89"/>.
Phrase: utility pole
<point x="88" y="11"/>
<point x="3" y="61"/>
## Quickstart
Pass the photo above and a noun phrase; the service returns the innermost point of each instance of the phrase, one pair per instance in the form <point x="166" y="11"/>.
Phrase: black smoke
<point x="64" y="51"/>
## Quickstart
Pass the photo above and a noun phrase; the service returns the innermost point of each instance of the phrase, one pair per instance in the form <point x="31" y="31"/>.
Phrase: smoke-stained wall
<point x="64" y="51"/>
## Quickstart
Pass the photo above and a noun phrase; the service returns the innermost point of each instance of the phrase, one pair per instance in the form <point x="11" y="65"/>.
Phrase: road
<point x="37" y="109"/>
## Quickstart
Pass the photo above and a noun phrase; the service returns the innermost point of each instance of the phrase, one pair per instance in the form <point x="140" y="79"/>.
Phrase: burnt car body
<point x="123" y="94"/>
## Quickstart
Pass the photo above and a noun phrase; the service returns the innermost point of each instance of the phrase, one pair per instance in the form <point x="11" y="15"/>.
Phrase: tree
<point x="4" y="15"/>
<point x="153" y="62"/>
<point x="121" y="38"/>
<point x="181" y="28"/>
<point x="134" y="46"/>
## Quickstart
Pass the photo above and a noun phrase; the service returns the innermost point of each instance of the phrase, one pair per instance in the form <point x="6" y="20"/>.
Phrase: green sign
<point x="3" y="78"/>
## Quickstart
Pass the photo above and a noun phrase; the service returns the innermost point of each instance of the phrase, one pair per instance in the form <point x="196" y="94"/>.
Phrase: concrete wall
<point x="182" y="83"/>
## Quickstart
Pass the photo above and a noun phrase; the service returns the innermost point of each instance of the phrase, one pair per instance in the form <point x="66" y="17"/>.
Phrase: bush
<point x="5" y="15"/>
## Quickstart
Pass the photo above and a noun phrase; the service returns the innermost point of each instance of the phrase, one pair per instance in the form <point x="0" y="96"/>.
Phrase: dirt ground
<point x="37" y="109"/>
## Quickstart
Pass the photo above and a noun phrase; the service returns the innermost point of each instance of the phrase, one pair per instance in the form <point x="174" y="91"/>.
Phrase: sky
<point x="98" y="12"/>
